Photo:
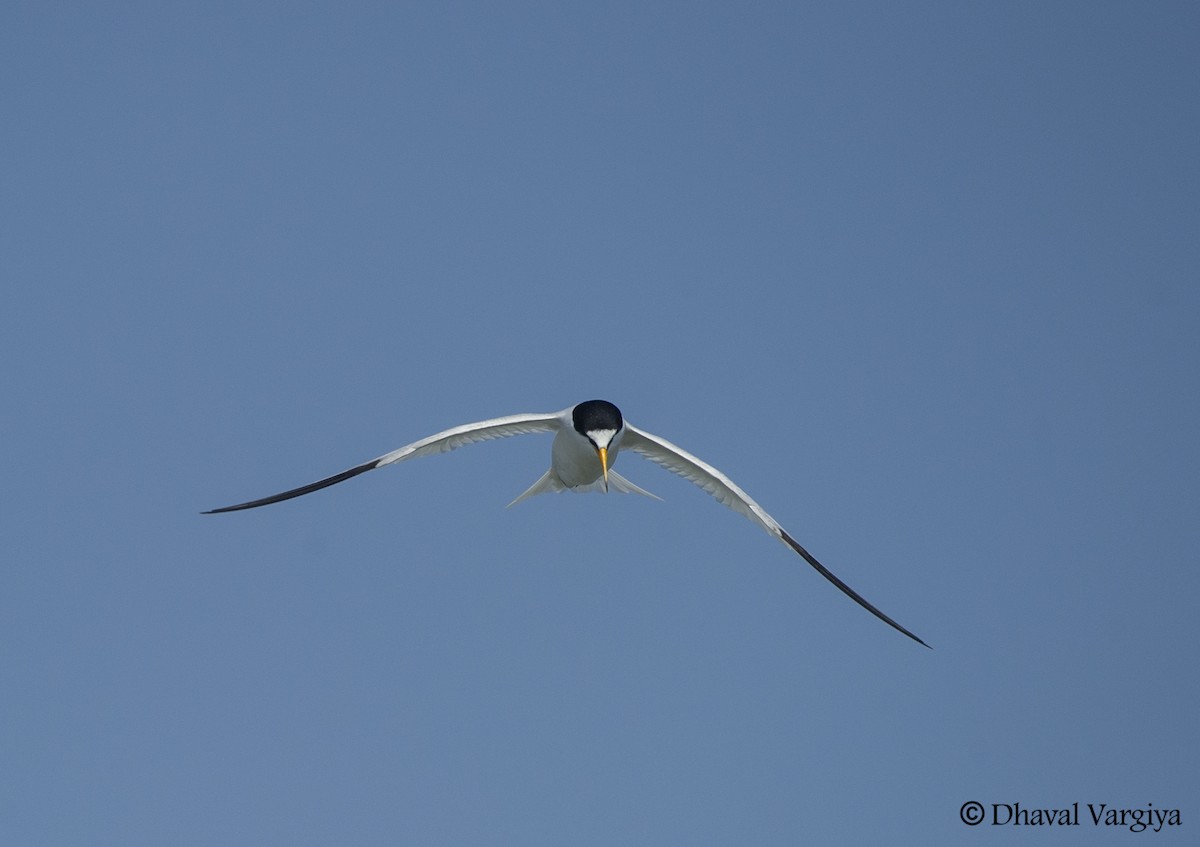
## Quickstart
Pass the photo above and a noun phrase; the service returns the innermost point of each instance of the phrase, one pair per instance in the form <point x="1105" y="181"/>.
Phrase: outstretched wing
<point x="449" y="439"/>
<point x="679" y="461"/>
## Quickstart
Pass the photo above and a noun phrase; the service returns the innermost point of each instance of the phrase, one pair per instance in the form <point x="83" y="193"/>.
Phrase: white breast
<point x="574" y="458"/>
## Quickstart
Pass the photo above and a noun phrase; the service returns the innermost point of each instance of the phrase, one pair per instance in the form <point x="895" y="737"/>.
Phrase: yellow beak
<point x="603" y="451"/>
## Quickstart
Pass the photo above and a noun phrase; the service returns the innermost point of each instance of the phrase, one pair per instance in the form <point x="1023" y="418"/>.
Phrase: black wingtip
<point x="297" y="492"/>
<point x="846" y="589"/>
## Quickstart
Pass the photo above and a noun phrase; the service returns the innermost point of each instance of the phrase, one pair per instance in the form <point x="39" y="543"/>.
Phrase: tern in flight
<point x="587" y="439"/>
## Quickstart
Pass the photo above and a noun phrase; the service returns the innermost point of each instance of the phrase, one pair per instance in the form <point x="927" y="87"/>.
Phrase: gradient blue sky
<point x="922" y="278"/>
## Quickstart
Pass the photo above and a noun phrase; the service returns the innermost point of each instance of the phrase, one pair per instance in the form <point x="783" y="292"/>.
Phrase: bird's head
<point x="600" y="422"/>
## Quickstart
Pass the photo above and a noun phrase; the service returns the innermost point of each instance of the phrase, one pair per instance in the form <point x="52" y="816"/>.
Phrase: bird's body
<point x="587" y="440"/>
<point x="576" y="465"/>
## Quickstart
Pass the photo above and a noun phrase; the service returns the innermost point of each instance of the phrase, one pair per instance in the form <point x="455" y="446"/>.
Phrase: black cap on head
<point x="592" y="415"/>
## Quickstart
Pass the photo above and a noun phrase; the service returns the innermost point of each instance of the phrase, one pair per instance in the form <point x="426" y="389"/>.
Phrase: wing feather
<point x="441" y="442"/>
<point x="726" y="491"/>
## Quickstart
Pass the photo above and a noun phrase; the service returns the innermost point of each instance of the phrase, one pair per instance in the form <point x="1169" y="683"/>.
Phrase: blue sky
<point x="921" y="278"/>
